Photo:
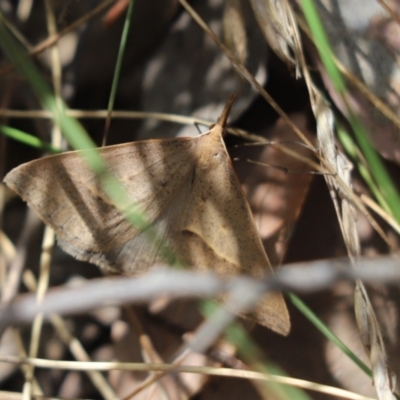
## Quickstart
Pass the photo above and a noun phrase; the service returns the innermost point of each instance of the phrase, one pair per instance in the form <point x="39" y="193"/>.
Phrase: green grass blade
<point x="27" y="139"/>
<point x="350" y="146"/>
<point x="303" y="308"/>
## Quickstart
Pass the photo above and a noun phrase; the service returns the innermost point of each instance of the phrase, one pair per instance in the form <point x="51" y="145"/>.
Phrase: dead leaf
<point x="195" y="76"/>
<point x="363" y="40"/>
<point x="235" y="29"/>
<point x="276" y="197"/>
<point x="277" y="23"/>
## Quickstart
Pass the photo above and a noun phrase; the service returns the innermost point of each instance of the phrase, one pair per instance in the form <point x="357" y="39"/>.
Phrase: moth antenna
<point x="225" y="113"/>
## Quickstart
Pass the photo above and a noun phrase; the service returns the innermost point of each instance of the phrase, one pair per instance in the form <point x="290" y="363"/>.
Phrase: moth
<point x="190" y="195"/>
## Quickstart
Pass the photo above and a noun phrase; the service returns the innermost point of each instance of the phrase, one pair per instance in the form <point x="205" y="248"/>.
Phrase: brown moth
<point x="189" y="192"/>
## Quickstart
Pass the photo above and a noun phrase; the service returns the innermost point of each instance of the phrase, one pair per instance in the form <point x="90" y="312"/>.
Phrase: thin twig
<point x="224" y="372"/>
<point x="299" y="277"/>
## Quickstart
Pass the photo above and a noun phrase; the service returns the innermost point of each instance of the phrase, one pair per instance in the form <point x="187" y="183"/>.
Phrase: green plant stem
<point x="118" y="65"/>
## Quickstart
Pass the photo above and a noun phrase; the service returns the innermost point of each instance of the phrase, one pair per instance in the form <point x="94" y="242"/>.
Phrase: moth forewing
<point x="189" y="193"/>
